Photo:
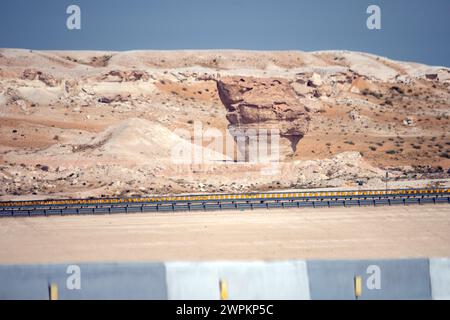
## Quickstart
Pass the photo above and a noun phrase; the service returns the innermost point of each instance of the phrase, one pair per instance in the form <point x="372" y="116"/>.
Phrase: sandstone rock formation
<point x="258" y="104"/>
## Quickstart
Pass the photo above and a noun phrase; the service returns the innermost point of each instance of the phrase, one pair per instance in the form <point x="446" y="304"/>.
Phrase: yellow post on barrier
<point x="358" y="286"/>
<point x="223" y="286"/>
<point x="53" y="291"/>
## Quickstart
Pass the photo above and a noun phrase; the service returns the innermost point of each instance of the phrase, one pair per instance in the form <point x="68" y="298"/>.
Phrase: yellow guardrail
<point x="224" y="197"/>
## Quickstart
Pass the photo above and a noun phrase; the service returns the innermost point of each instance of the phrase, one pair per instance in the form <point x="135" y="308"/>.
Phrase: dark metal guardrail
<point x="247" y="201"/>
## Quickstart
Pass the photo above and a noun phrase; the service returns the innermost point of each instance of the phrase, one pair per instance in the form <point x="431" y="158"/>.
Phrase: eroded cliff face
<point x="255" y="105"/>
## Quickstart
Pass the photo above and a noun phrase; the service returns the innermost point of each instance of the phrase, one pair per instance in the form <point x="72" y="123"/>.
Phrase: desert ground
<point x="339" y="233"/>
<point x="103" y="124"/>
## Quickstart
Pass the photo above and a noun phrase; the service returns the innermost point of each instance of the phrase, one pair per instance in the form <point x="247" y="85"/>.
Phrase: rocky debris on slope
<point x="12" y="98"/>
<point x="313" y="87"/>
<point x="264" y="103"/>
<point x="101" y="61"/>
<point x="125" y="76"/>
<point x="354" y="115"/>
<point x="32" y="74"/>
<point x="71" y="86"/>
<point x="99" y="143"/>
<point x="408" y="121"/>
<point x="13" y="95"/>
<point x="343" y="168"/>
<point x="95" y="61"/>
<point x="114" y="98"/>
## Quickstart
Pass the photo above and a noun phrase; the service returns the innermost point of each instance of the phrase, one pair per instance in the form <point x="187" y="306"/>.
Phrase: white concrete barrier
<point x="440" y="278"/>
<point x="244" y="280"/>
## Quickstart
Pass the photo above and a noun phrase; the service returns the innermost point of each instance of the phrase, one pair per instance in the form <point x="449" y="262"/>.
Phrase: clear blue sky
<point x="412" y="30"/>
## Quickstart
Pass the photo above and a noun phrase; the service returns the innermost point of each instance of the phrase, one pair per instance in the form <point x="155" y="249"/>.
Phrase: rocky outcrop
<point x="32" y="74"/>
<point x="264" y="103"/>
<point x="125" y="76"/>
<point x="114" y="98"/>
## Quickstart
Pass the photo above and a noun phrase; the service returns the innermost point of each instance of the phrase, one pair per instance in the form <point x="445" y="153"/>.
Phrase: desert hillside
<point x="82" y="124"/>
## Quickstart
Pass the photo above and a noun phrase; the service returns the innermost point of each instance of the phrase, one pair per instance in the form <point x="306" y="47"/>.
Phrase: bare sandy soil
<point x="371" y="232"/>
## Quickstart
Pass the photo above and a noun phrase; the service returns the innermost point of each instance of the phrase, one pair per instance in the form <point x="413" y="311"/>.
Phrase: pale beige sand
<point x="370" y="232"/>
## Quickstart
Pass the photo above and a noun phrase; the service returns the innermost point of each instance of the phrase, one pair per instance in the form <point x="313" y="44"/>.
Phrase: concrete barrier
<point x="98" y="281"/>
<point x="381" y="279"/>
<point x="316" y="279"/>
<point x="440" y="278"/>
<point x="244" y="280"/>
<point x="26" y="281"/>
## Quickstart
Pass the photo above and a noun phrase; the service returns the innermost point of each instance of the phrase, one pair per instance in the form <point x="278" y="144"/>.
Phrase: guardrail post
<point x="53" y="291"/>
